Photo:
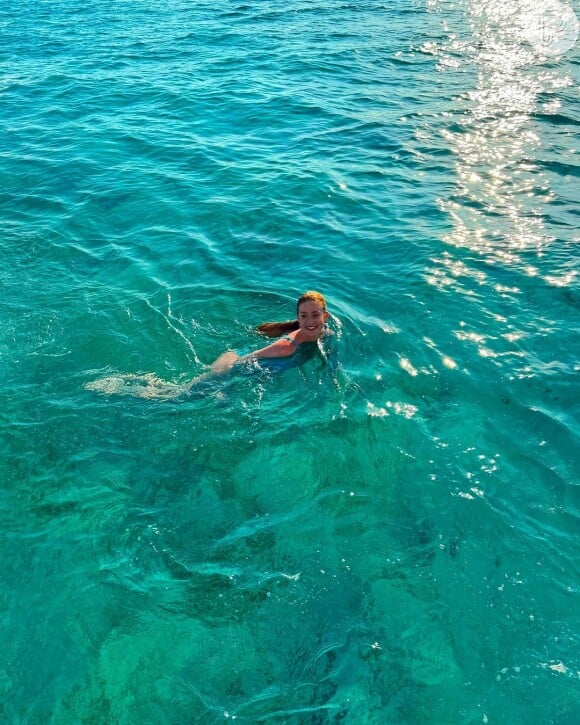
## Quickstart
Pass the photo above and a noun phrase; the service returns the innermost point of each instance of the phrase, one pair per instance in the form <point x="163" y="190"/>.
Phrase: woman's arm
<point x="280" y="348"/>
<point x="226" y="361"/>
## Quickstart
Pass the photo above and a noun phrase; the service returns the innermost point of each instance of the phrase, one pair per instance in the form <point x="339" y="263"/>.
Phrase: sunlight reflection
<point x="566" y="280"/>
<point x="391" y="407"/>
<point x="408" y="367"/>
<point x="496" y="182"/>
<point x="498" y="204"/>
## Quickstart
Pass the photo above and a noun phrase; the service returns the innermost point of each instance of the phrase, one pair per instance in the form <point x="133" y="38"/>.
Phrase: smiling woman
<point x="310" y="325"/>
<point x="308" y="328"/>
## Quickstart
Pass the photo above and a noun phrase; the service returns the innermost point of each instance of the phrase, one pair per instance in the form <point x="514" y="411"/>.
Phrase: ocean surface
<point x="394" y="538"/>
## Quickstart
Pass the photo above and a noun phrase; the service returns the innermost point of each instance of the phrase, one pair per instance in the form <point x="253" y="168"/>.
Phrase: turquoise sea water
<point x="393" y="542"/>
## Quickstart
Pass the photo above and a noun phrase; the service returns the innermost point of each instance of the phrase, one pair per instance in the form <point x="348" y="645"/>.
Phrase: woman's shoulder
<point x="291" y="338"/>
<point x="283" y="347"/>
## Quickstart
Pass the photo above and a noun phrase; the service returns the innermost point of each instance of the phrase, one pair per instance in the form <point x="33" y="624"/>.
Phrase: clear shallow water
<point x="398" y="543"/>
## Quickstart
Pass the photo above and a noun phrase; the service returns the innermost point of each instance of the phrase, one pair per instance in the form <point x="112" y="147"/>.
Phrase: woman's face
<point x="311" y="317"/>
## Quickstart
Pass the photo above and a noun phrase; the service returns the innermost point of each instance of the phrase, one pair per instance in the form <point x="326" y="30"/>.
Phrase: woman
<point x="308" y="327"/>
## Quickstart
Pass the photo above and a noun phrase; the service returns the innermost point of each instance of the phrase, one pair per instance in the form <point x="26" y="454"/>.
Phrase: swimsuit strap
<point x="290" y="339"/>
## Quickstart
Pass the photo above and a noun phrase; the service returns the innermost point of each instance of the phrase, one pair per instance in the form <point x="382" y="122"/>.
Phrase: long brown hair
<point x="276" y="329"/>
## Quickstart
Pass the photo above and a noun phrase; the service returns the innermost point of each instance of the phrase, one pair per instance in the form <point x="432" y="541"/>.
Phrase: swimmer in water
<point x="308" y="327"/>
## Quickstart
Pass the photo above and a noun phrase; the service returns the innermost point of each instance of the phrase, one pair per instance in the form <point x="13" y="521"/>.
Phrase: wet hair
<point x="276" y="329"/>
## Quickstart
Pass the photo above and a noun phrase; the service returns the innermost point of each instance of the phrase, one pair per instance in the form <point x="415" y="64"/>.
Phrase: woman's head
<point x="311" y="296"/>
<point x="311" y="306"/>
<point x="312" y="315"/>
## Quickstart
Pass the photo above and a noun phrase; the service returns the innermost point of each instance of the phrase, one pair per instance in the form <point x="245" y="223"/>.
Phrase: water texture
<point x="391" y="541"/>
